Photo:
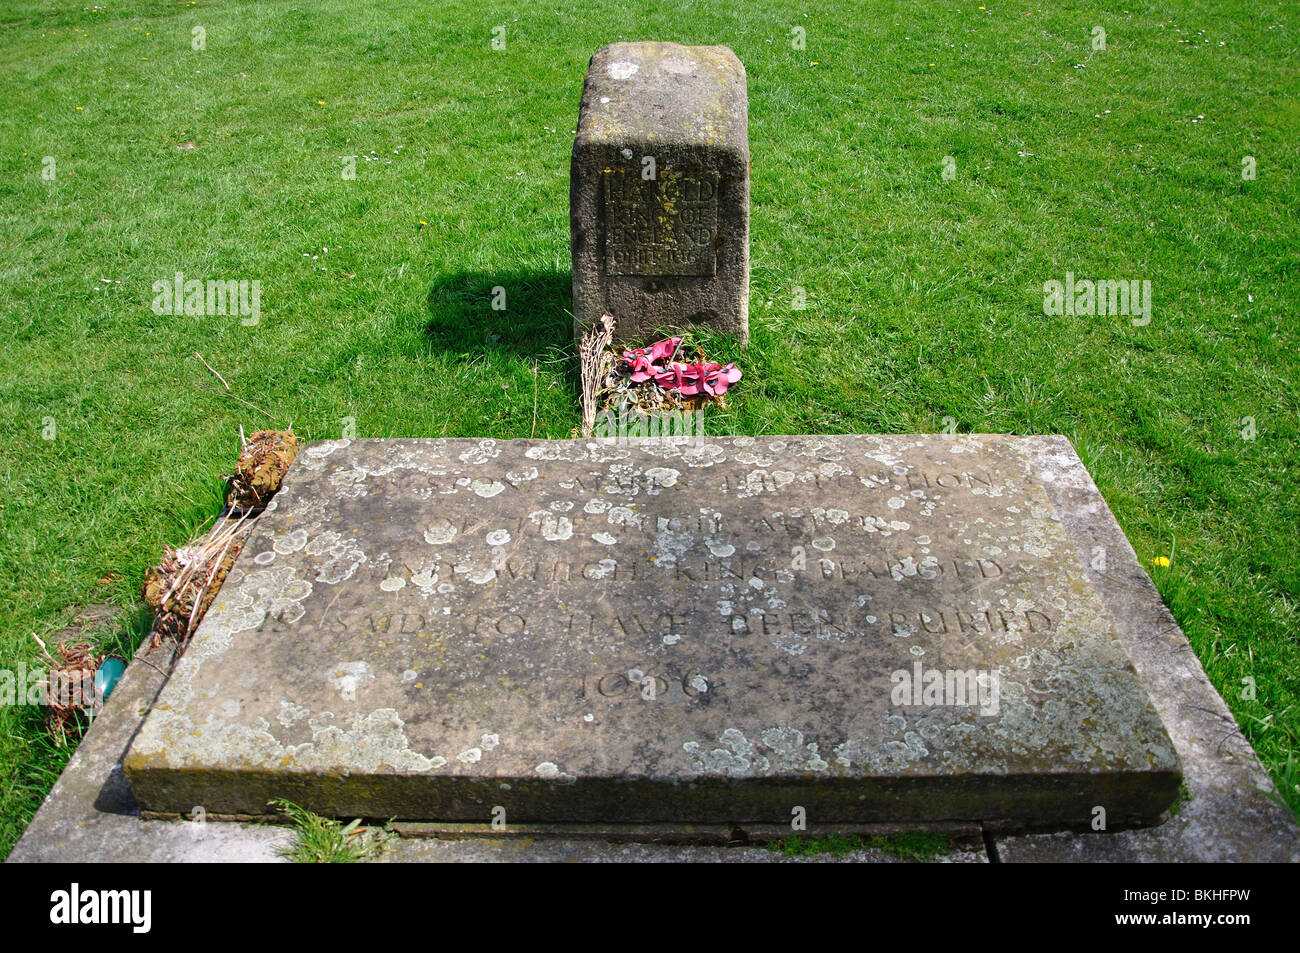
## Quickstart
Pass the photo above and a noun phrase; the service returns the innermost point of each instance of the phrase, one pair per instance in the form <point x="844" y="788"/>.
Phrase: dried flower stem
<point x="595" y="360"/>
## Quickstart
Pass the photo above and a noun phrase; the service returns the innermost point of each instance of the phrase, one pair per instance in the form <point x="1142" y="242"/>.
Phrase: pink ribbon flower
<point x="642" y="361"/>
<point x="717" y="378"/>
<point x="692" y="379"/>
<point x="683" y="378"/>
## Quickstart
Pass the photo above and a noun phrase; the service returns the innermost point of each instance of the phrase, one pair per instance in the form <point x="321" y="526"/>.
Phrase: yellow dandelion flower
<point x="1161" y="560"/>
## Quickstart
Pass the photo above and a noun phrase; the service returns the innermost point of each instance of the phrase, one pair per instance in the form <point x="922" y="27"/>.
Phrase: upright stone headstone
<point x="659" y="191"/>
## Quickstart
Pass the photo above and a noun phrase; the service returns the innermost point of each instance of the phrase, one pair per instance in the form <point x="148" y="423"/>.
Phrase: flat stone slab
<point x="715" y="630"/>
<point x="659" y="192"/>
<point x="1231" y="812"/>
<point x="90" y="816"/>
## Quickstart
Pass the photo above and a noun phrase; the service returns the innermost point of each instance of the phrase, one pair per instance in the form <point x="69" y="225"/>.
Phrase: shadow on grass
<point x="534" y="312"/>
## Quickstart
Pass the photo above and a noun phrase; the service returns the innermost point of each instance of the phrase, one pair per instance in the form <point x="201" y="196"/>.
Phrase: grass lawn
<point x="924" y="294"/>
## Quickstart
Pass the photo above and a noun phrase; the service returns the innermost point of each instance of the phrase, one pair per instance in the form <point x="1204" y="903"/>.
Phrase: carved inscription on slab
<point x="452" y="624"/>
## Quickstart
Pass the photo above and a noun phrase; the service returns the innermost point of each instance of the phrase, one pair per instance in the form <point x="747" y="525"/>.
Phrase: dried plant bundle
<point x="595" y="361"/>
<point x="70" y="685"/>
<point x="262" y="464"/>
<point x="181" y="587"/>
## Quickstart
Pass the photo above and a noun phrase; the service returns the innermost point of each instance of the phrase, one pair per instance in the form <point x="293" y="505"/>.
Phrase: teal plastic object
<point x="107" y="676"/>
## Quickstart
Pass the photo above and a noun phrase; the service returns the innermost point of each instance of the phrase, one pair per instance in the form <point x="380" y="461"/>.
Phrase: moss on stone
<point x="911" y="845"/>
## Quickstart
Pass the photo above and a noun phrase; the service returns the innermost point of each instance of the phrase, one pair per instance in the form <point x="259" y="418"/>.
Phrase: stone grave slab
<point x="875" y="629"/>
<point x="659" y="191"/>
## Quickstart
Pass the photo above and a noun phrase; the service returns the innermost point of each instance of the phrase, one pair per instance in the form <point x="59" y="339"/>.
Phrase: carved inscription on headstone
<point x="663" y="225"/>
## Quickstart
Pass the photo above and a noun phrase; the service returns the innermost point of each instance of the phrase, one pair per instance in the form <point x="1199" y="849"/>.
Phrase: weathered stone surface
<point x="90" y="817"/>
<point x="654" y="631"/>
<point x="1231" y="813"/>
<point x="960" y="837"/>
<point x="559" y="851"/>
<point x="1229" y="816"/>
<point x="659" y="191"/>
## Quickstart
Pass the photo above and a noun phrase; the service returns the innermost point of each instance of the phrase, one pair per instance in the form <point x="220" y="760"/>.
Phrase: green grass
<point x="321" y="840"/>
<point x="924" y="295"/>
